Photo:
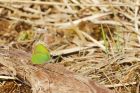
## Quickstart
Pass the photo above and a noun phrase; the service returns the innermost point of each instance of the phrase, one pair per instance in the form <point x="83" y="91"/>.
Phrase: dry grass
<point x="72" y="29"/>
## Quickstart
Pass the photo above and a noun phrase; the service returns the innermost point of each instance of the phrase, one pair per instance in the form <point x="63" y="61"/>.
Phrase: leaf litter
<point x="73" y="31"/>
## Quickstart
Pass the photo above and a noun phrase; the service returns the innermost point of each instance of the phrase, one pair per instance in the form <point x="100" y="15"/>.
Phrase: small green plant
<point x="105" y="39"/>
<point x="22" y="36"/>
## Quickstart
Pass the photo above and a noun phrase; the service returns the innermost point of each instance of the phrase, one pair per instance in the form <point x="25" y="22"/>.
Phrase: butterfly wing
<point x="40" y="58"/>
<point x="40" y="54"/>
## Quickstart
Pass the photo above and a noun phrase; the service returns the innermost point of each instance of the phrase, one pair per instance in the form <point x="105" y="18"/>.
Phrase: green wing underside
<point x="40" y="48"/>
<point x="40" y="58"/>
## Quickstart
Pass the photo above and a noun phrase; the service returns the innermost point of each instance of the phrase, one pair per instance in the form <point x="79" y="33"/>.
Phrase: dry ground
<point x="99" y="39"/>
